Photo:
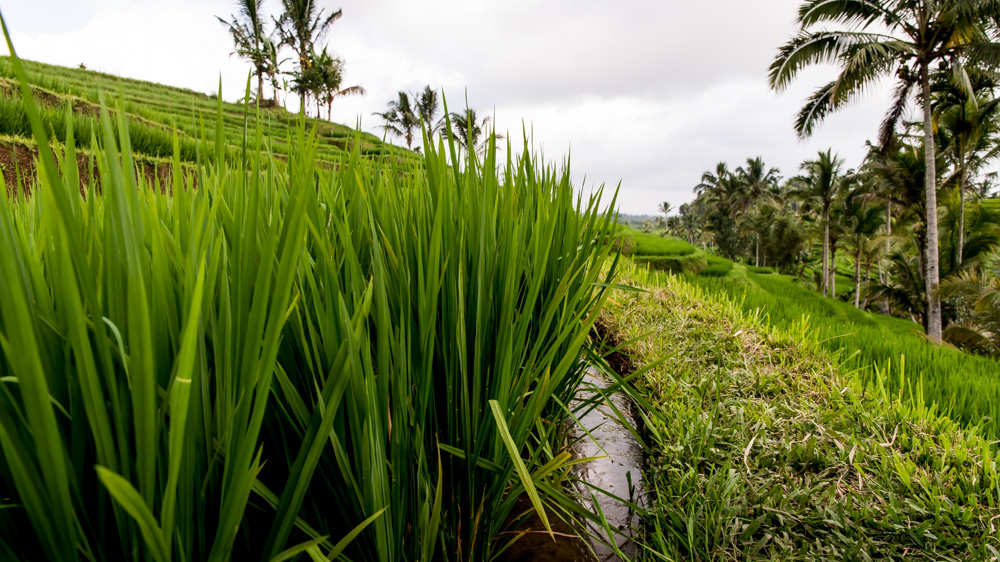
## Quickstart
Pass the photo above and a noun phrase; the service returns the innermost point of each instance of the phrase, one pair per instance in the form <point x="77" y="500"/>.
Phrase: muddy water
<point x="621" y="463"/>
<point x="622" y="459"/>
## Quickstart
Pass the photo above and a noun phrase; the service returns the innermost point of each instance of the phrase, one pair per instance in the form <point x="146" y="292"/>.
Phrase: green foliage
<point x="290" y="360"/>
<point x="693" y="263"/>
<point x="717" y="267"/>
<point x="645" y="244"/>
<point x="964" y="386"/>
<point x="763" y="447"/>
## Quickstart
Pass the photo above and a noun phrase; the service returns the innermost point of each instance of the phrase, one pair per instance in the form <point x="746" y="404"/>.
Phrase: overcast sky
<point x="648" y="94"/>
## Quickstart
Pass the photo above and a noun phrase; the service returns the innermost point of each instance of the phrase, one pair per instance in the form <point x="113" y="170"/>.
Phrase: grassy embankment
<point x="288" y="362"/>
<point x="157" y="115"/>
<point x="764" y="445"/>
<point x="666" y="253"/>
<point x="965" y="386"/>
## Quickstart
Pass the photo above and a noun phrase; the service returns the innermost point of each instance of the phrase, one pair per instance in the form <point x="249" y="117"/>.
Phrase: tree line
<point x="917" y="217"/>
<point x="259" y="38"/>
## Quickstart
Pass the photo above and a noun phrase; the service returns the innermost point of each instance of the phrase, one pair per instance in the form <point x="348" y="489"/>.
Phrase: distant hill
<point x="636" y="220"/>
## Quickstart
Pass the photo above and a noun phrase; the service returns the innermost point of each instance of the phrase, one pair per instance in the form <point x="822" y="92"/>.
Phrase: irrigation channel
<point x="617" y="470"/>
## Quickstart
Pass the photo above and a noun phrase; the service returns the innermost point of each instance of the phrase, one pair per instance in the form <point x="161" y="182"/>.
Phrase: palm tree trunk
<point x="868" y="279"/>
<point x="883" y="265"/>
<point x="888" y="233"/>
<point x="961" y="207"/>
<point x="930" y="183"/>
<point x="756" y="261"/>
<point x="857" y="278"/>
<point x="826" y="251"/>
<point x="260" y="87"/>
<point x="833" y="272"/>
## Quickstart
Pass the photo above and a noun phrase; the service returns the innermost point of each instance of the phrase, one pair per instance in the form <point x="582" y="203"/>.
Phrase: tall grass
<point x="288" y="362"/>
<point x="965" y="386"/>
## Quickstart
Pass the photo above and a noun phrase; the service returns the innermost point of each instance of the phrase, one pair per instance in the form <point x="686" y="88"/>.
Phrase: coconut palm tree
<point x="818" y="188"/>
<point x="861" y="223"/>
<point x="967" y="126"/>
<point x="468" y="131"/>
<point x="712" y="181"/>
<point x="427" y="106"/>
<point x="400" y="118"/>
<point x="273" y="69"/>
<point x="331" y="81"/>
<point x="250" y="41"/>
<point x="301" y="26"/>
<point x="978" y="291"/>
<point x="870" y="40"/>
<point x="755" y="182"/>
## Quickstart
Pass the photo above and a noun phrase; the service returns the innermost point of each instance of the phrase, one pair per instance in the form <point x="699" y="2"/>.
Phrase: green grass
<point x="762" y="445"/>
<point x="372" y="361"/>
<point x="717" y="267"/>
<point x="965" y="386"/>
<point x="160" y="111"/>
<point x="639" y="243"/>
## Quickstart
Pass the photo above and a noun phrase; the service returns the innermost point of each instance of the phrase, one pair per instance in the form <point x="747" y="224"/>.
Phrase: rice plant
<point x="288" y="361"/>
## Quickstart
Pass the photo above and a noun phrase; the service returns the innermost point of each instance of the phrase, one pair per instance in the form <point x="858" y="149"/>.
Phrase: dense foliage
<point x="911" y="217"/>
<point x="288" y="361"/>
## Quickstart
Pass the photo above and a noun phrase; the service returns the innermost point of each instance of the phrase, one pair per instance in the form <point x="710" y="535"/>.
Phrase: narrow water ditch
<point x="616" y="469"/>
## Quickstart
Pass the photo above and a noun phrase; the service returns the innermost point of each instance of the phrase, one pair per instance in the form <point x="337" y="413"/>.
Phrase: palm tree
<point x="712" y="181"/>
<point x="468" y="131"/>
<point x="819" y="188"/>
<point x="331" y="81"/>
<point x="968" y="126"/>
<point x="249" y="39"/>
<point x="427" y="107"/>
<point x="665" y="208"/>
<point x="978" y="292"/>
<point x="400" y="119"/>
<point x="755" y="182"/>
<point x="273" y="68"/>
<point x="877" y="39"/>
<point x="862" y="221"/>
<point x="300" y="26"/>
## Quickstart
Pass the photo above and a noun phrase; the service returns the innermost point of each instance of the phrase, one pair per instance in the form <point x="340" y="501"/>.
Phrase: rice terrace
<point x="701" y="281"/>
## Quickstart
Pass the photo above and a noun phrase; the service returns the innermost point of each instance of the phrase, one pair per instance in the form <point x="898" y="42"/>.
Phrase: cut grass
<point x="764" y="447"/>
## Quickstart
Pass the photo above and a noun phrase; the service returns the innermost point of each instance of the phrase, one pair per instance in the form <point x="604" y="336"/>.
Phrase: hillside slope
<point x="156" y="114"/>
